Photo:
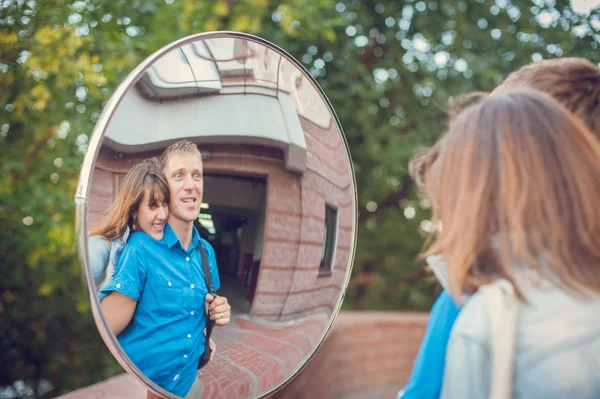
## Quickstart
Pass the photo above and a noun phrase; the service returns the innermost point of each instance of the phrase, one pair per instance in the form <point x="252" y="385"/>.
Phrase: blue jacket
<point x="428" y="370"/>
<point x="104" y="256"/>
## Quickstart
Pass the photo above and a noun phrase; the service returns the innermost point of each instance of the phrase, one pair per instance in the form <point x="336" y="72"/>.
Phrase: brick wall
<point x="288" y="284"/>
<point x="328" y="180"/>
<point x="365" y="355"/>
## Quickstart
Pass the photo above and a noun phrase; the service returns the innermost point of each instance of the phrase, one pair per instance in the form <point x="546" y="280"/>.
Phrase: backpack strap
<point x="209" y="323"/>
<point x="502" y="310"/>
<point x="207" y="273"/>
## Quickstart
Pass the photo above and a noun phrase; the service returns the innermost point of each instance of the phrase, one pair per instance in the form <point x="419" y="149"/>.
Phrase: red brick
<point x="279" y="254"/>
<point x="365" y="353"/>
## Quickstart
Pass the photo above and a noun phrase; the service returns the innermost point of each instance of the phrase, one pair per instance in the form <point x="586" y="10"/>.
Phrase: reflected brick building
<point x="279" y="198"/>
<point x="273" y="158"/>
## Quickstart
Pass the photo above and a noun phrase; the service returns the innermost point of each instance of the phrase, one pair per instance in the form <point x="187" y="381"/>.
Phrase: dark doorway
<point x="232" y="220"/>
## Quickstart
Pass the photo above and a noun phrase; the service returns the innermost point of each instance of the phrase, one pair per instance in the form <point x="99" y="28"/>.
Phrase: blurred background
<point x="389" y="70"/>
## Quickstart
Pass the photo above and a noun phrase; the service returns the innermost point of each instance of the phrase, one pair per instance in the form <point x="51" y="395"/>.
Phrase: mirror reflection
<point x="222" y="167"/>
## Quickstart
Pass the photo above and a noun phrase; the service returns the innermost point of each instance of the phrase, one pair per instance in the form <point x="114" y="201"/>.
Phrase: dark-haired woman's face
<point x="152" y="216"/>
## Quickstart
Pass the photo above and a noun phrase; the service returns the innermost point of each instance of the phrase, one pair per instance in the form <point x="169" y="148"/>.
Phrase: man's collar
<point x="170" y="238"/>
<point x="195" y="238"/>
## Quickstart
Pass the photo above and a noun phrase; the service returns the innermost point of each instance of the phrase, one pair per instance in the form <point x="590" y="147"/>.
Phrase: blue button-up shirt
<point x="166" y="336"/>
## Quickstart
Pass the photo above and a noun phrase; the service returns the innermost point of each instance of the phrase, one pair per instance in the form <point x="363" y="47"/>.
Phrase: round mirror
<point x="272" y="193"/>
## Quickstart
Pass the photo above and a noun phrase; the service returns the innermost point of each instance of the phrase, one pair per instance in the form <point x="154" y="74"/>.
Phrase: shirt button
<point x="189" y="335"/>
<point x="187" y="258"/>
<point x="192" y="286"/>
<point x="176" y="377"/>
<point x="118" y="285"/>
<point x="192" y="312"/>
<point x="169" y="283"/>
<point x="185" y="356"/>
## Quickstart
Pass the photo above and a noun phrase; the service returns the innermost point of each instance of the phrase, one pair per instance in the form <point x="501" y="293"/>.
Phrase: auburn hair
<point x="516" y="178"/>
<point x="574" y="82"/>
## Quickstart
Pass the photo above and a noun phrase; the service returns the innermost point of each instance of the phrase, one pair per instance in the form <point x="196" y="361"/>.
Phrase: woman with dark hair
<point x="141" y="204"/>
<point x="515" y="185"/>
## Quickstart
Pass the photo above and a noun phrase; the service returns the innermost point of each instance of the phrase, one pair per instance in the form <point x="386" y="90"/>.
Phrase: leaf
<point x="46" y="35"/>
<point x="9" y="38"/>
<point x="221" y="8"/>
<point x="212" y="25"/>
<point x="241" y="23"/>
<point x="40" y="95"/>
<point x="46" y="289"/>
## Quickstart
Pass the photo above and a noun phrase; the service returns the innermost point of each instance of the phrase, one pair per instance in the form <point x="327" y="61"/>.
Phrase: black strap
<point x="207" y="274"/>
<point x="209" y="323"/>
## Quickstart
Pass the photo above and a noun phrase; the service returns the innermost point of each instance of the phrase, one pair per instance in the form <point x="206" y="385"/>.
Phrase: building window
<point x="329" y="241"/>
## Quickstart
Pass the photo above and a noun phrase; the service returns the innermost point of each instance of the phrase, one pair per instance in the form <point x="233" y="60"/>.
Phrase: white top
<point x="557" y="347"/>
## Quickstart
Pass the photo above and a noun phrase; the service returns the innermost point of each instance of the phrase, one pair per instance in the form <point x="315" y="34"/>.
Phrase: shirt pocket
<point x="195" y="299"/>
<point x="169" y="296"/>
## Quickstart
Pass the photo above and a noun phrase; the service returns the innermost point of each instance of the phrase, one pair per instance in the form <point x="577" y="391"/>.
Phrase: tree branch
<point x="416" y="276"/>
<point x="362" y="279"/>
<point x="390" y="201"/>
<point x="32" y="153"/>
<point x="365" y="279"/>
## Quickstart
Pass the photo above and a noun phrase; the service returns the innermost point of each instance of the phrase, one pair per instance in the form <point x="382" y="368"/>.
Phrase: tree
<point x="60" y="62"/>
<point x="389" y="70"/>
<point x="390" y="76"/>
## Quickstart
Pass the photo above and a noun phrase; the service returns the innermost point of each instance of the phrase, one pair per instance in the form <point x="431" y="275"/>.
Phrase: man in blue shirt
<point x="157" y="299"/>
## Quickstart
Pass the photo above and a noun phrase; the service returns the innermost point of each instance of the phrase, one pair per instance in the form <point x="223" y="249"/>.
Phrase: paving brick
<point x="366" y="353"/>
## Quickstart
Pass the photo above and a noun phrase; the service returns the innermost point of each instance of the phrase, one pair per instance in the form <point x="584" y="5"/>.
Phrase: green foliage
<point x="389" y="70"/>
<point x="392" y="71"/>
<point x="390" y="74"/>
